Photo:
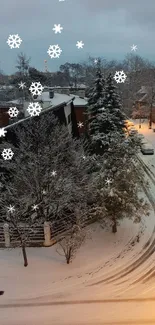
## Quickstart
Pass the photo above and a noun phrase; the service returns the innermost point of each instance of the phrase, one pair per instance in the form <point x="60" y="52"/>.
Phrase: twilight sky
<point x="108" y="28"/>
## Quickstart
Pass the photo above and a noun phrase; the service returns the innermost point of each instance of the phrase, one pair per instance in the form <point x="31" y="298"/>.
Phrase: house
<point x="80" y="105"/>
<point x="64" y="111"/>
<point x="4" y="116"/>
<point x="51" y="98"/>
<point x="142" y="104"/>
<point x="72" y="108"/>
<point x="79" y="90"/>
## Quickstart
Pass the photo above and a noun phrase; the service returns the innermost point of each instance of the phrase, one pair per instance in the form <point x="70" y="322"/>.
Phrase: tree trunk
<point x="150" y="120"/>
<point x="24" y="255"/>
<point x="114" y="226"/>
<point x="68" y="256"/>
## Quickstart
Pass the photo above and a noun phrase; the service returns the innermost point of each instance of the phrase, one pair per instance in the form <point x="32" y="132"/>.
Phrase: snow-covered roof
<point x="51" y="106"/>
<point x="79" y="101"/>
<point x="16" y="101"/>
<point x="143" y="90"/>
<point x="61" y="98"/>
<point x="56" y="100"/>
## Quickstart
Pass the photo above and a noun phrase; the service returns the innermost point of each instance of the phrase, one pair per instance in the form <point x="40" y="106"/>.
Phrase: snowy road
<point x="113" y="313"/>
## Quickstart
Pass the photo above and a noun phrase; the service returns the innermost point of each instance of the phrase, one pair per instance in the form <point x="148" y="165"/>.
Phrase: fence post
<point x="6" y="235"/>
<point x="47" y="234"/>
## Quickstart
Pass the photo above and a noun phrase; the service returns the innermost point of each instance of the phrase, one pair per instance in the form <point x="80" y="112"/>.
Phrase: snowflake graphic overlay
<point x="79" y="44"/>
<point x="35" y="207"/>
<point x="133" y="47"/>
<point x="13" y="111"/>
<point x="120" y="76"/>
<point x="11" y="209"/>
<point x="14" y="41"/>
<point x="2" y="132"/>
<point x="34" y="109"/>
<point x="80" y="124"/>
<point x="54" y="173"/>
<point x="36" y="88"/>
<point x="108" y="181"/>
<point x="54" y="51"/>
<point x="7" y="154"/>
<point x="22" y="85"/>
<point x="57" y="28"/>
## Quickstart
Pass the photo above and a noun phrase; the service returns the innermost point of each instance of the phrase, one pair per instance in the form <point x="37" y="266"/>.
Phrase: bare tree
<point x="22" y="222"/>
<point x="23" y="64"/>
<point x="73" y="239"/>
<point x="47" y="171"/>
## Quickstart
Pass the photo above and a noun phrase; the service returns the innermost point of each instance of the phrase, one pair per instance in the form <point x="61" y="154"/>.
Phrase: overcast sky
<point x="108" y="28"/>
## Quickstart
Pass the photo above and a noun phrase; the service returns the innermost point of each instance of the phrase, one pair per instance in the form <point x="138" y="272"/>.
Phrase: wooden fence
<point x="44" y="235"/>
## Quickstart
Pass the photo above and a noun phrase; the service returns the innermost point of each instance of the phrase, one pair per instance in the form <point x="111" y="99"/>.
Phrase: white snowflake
<point x="80" y="124"/>
<point x="133" y="47"/>
<point x="120" y="76"/>
<point x="13" y="111"/>
<point x="54" y="51"/>
<point x="96" y="61"/>
<point x="35" y="207"/>
<point x="57" y="28"/>
<point x="14" y="41"/>
<point x="11" y="209"/>
<point x="7" y="154"/>
<point x="36" y="88"/>
<point x="54" y="173"/>
<point x="80" y="44"/>
<point x="22" y="85"/>
<point x="34" y="109"/>
<point x="2" y="132"/>
<point x="108" y="181"/>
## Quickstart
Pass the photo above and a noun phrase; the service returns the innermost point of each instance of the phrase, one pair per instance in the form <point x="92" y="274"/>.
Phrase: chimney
<point x="51" y="93"/>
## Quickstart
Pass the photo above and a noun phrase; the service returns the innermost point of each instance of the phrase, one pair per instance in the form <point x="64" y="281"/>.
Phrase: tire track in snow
<point x="130" y="268"/>
<point x="77" y="302"/>
<point x="150" y="247"/>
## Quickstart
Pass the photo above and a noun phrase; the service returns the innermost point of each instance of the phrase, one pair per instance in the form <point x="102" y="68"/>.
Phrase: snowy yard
<point x="107" y="268"/>
<point x="49" y="279"/>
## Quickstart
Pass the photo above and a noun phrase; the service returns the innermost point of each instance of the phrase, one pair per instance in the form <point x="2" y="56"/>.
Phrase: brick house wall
<point x="4" y="116"/>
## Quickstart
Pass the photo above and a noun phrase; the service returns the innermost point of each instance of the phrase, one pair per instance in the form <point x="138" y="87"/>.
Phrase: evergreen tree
<point x="121" y="182"/>
<point x="95" y="103"/>
<point x="113" y="103"/>
<point x="109" y="120"/>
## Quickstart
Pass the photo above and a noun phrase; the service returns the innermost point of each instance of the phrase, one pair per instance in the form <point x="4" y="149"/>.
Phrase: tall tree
<point x="105" y="116"/>
<point x="48" y="171"/>
<point x="23" y="64"/>
<point x="22" y="75"/>
<point x="120" y="182"/>
<point x="95" y="104"/>
<point x="113" y="103"/>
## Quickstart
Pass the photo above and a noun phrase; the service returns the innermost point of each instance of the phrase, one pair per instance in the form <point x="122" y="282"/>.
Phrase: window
<point x="69" y="119"/>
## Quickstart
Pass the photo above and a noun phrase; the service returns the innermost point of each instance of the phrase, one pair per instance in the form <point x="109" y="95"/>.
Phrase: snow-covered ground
<point x="48" y="279"/>
<point x="109" y="267"/>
